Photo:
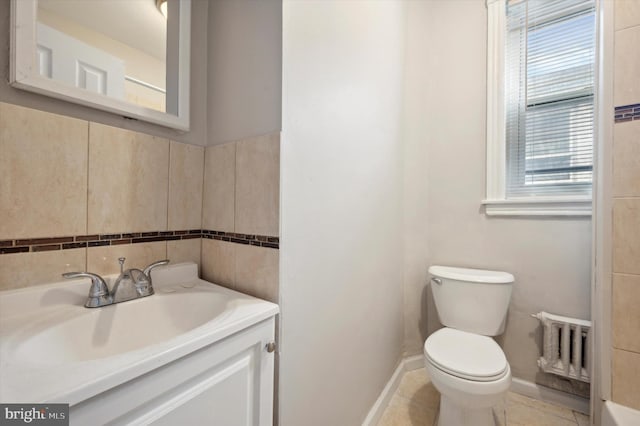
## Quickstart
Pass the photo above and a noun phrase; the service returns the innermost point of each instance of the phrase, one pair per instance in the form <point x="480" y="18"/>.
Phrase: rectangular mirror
<point x="127" y="57"/>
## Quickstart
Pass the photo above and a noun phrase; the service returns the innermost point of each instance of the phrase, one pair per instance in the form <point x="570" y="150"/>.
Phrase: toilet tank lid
<point x="471" y="275"/>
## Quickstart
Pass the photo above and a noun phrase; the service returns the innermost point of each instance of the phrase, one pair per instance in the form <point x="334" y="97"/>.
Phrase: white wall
<point x="245" y="69"/>
<point x="341" y="185"/>
<point x="445" y="139"/>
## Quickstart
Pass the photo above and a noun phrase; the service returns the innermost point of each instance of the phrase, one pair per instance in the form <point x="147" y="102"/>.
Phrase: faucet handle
<point x="98" y="285"/>
<point x="121" y="260"/>
<point x="147" y="270"/>
<point x="98" y="293"/>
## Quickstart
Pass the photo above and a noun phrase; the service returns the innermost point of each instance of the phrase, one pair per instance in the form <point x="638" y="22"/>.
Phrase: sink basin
<point x="124" y="327"/>
<point x="54" y="349"/>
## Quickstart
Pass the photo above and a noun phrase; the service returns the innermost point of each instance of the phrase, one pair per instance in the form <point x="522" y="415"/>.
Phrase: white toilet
<point x="464" y="363"/>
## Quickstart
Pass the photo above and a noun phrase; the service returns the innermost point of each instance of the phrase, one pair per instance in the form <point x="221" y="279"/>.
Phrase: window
<point x="540" y="128"/>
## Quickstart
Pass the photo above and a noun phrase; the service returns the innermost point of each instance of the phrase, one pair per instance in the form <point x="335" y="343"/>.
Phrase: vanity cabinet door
<point x="226" y="396"/>
<point x="229" y="383"/>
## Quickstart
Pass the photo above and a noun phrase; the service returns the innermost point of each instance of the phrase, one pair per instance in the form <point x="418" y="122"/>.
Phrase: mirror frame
<point x="24" y="73"/>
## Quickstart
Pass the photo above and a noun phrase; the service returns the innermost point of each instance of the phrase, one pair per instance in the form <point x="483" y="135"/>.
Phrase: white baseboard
<point x="553" y="396"/>
<point x="407" y="364"/>
<point x="413" y="362"/>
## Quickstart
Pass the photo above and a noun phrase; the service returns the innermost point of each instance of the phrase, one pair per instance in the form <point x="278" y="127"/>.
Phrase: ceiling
<point x="137" y="23"/>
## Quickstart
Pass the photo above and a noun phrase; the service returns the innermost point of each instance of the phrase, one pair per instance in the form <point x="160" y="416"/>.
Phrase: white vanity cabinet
<point x="227" y="383"/>
<point x="194" y="353"/>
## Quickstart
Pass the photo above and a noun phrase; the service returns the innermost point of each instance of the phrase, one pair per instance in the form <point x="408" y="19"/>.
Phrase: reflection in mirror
<point x="113" y="48"/>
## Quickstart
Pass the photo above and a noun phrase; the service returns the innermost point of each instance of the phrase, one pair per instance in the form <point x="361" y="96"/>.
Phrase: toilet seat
<point x="466" y="355"/>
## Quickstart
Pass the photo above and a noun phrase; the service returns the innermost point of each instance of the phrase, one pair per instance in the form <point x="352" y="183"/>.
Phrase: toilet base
<point x="469" y="403"/>
<point x="452" y="414"/>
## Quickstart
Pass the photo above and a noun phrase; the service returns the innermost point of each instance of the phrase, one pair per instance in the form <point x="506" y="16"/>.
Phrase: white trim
<point x="496" y="142"/>
<point x="603" y="205"/>
<point x="543" y="393"/>
<point x="406" y="364"/>
<point x="414" y="362"/>
<point x="538" y="206"/>
<point x="23" y="74"/>
<point x="374" y="415"/>
<point x="496" y="203"/>
<point x="144" y="84"/>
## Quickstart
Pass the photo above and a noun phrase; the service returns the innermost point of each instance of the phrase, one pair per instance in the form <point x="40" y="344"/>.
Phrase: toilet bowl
<point x="471" y="373"/>
<point x="465" y="364"/>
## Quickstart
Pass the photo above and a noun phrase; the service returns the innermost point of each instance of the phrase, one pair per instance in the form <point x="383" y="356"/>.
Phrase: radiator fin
<point x="565" y="346"/>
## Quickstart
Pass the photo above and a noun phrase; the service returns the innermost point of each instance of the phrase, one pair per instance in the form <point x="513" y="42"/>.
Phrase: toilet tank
<point x="472" y="300"/>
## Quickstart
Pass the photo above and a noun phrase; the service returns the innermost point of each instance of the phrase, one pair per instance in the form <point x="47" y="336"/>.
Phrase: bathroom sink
<point x="54" y="349"/>
<point x="102" y="332"/>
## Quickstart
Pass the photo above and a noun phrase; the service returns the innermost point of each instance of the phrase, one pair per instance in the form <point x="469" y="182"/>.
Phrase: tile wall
<point x="76" y="195"/>
<point x="241" y="204"/>
<point x="626" y="207"/>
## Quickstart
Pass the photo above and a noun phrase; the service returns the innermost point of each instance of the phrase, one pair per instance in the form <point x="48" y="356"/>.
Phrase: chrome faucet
<point x="130" y="284"/>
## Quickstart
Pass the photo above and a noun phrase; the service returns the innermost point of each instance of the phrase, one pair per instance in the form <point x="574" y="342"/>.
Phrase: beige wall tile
<point x="625" y="378"/>
<point x="626" y="312"/>
<point x="43" y="164"/>
<point x="104" y="260"/>
<point x="627" y="13"/>
<point x="258" y="185"/>
<point x="186" y="170"/>
<point x="219" y="262"/>
<point x="626" y="235"/>
<point x="627" y="67"/>
<point x="128" y="181"/>
<point x="184" y="250"/>
<point x="219" y="188"/>
<point x="257" y="271"/>
<point x="626" y="158"/>
<point x="27" y="269"/>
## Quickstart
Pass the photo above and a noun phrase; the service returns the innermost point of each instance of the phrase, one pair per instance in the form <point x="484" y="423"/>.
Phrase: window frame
<point x="496" y="203"/>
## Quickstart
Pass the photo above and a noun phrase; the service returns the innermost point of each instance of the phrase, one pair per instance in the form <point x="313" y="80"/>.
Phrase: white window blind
<point x="549" y="97"/>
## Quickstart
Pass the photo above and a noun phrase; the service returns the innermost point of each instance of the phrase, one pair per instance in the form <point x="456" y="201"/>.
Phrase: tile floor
<point x="415" y="403"/>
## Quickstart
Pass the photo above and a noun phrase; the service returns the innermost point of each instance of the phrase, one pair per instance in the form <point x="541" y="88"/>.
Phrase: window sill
<point x="565" y="206"/>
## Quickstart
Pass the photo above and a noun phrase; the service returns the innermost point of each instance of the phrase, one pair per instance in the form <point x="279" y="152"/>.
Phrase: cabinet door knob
<point x="271" y="346"/>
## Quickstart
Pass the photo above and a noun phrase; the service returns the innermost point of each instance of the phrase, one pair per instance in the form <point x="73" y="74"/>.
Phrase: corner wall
<point x="241" y="201"/>
<point x="341" y="232"/>
<point x="96" y="205"/>
<point x="445" y="105"/>
<point x="241" y="215"/>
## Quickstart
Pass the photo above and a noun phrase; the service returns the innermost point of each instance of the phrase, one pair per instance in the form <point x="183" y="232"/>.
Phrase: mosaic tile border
<point x="32" y="245"/>
<point x="627" y="113"/>
<point x="254" y="240"/>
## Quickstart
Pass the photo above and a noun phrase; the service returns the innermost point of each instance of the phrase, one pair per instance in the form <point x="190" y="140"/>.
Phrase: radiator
<point x="565" y="346"/>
